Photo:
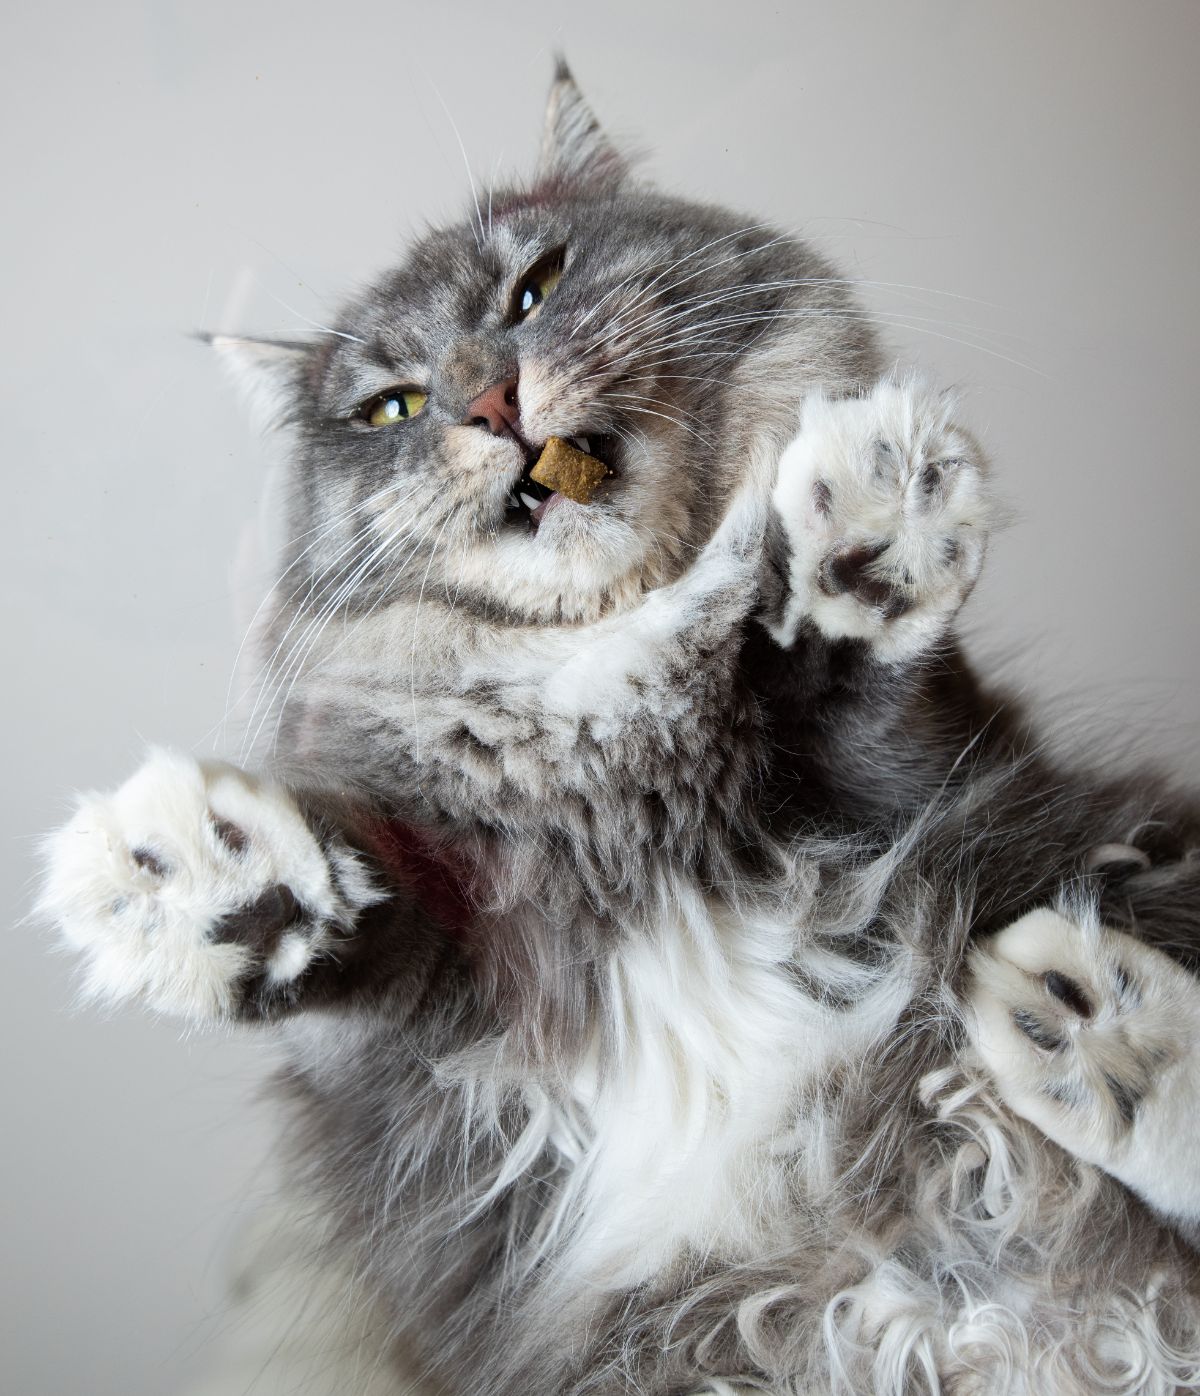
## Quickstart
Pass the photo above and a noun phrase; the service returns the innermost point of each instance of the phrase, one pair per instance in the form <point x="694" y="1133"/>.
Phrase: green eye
<point x="538" y="284"/>
<point x="396" y="405"/>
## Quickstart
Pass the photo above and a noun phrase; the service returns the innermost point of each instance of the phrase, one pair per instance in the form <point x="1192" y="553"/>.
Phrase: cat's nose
<point x="498" y="409"/>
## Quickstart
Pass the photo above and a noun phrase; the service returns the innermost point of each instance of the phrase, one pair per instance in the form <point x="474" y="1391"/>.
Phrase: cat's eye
<point x="396" y="405"/>
<point x="539" y="281"/>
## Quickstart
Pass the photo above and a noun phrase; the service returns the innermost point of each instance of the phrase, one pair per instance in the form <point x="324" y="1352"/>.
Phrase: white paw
<point x="1094" y="1037"/>
<point x="193" y="880"/>
<point x="886" y="509"/>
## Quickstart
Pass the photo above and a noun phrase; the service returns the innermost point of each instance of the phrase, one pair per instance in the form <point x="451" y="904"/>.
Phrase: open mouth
<point x="530" y="501"/>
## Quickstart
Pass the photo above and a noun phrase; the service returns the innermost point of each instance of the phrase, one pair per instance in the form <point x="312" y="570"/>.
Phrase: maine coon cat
<point x="692" y="978"/>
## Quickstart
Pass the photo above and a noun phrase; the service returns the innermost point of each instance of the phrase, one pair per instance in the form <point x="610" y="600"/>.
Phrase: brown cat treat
<point x="569" y="471"/>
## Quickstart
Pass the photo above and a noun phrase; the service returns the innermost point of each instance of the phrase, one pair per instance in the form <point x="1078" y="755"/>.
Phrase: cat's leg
<point x="1094" y="1037"/>
<point x="883" y="511"/>
<point x="208" y="893"/>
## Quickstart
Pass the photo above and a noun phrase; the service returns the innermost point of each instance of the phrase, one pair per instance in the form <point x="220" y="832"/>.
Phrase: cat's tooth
<point x="584" y="444"/>
<point x="530" y="504"/>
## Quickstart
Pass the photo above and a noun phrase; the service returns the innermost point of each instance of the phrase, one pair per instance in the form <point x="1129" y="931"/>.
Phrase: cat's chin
<point x="561" y="561"/>
<point x="581" y="562"/>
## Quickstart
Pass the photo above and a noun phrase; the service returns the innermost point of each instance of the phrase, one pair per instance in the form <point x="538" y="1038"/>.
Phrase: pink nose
<point x="497" y="409"/>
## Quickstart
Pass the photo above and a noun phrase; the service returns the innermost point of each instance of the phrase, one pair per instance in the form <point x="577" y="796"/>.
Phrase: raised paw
<point x="1094" y="1037"/>
<point x="885" y="507"/>
<point x="193" y="883"/>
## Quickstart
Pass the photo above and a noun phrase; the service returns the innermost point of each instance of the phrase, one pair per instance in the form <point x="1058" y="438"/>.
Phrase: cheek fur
<point x="554" y="401"/>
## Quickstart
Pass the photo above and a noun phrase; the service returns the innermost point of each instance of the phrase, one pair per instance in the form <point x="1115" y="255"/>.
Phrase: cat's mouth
<point x="529" y="502"/>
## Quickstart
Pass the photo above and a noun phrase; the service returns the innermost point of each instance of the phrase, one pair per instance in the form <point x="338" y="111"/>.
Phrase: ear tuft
<point x="268" y="374"/>
<point x="562" y="69"/>
<point x="574" y="147"/>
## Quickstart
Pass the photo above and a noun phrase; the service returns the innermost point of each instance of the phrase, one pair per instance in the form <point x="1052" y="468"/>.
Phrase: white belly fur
<point x="682" y="1134"/>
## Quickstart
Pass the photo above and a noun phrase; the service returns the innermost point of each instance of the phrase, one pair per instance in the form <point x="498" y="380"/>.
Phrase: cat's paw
<point x="1094" y="1037"/>
<point x="195" y="883"/>
<point x="886" y="509"/>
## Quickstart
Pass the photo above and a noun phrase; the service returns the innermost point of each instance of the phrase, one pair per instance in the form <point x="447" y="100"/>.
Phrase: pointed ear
<point x="269" y="374"/>
<point x="574" y="147"/>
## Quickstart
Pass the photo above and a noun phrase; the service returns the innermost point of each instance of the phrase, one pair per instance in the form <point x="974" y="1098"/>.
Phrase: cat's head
<point x="583" y="305"/>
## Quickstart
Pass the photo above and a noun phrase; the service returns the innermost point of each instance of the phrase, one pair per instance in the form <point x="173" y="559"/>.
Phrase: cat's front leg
<point x="883" y="510"/>
<point x="200" y="890"/>
<point x="1094" y="1037"/>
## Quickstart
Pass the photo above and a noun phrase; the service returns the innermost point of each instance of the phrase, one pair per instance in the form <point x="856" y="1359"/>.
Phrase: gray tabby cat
<point x="692" y="979"/>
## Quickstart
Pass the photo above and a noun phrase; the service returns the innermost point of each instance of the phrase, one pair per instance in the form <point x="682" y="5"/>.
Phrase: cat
<point x="692" y="979"/>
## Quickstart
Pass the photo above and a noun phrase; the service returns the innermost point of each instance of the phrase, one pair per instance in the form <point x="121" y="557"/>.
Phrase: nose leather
<point x="498" y="409"/>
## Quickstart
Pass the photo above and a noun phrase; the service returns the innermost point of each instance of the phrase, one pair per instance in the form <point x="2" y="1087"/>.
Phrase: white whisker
<point x="308" y="320"/>
<point x="466" y="164"/>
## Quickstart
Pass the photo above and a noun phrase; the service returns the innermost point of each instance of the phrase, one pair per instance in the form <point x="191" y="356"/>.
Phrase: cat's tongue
<point x="538" y="514"/>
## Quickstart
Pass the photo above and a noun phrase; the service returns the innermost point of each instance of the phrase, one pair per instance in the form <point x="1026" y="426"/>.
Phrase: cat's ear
<point x="270" y="375"/>
<point x="574" y="147"/>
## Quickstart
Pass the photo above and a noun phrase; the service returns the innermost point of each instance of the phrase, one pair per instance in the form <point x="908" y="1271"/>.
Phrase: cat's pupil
<point x="540" y="281"/>
<point x="389" y="408"/>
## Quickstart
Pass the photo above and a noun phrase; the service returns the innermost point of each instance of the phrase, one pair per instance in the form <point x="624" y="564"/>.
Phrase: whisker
<point x="692" y="335"/>
<point x="690" y="306"/>
<point x="316" y="585"/>
<point x="302" y="651"/>
<point x="632" y="406"/>
<point x="322" y="531"/>
<point x="412" y="660"/>
<point x="466" y="163"/>
<point x="753" y="227"/>
<point x="700" y="271"/>
<point x="314" y="623"/>
<point x="308" y="320"/>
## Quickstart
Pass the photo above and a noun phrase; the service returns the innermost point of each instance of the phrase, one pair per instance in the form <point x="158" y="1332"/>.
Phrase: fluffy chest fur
<point x="698" y="1099"/>
<point x="625" y="733"/>
<point x="621" y="759"/>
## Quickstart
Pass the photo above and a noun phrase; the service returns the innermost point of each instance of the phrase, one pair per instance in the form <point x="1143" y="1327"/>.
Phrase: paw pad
<point x="850" y="571"/>
<point x="1037" y="1031"/>
<point x="235" y="839"/>
<point x="261" y="924"/>
<point x="150" y="862"/>
<point x="1065" y="990"/>
<point x="885" y="509"/>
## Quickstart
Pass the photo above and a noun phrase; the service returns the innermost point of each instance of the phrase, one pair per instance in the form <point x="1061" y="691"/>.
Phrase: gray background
<point x="1016" y="183"/>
